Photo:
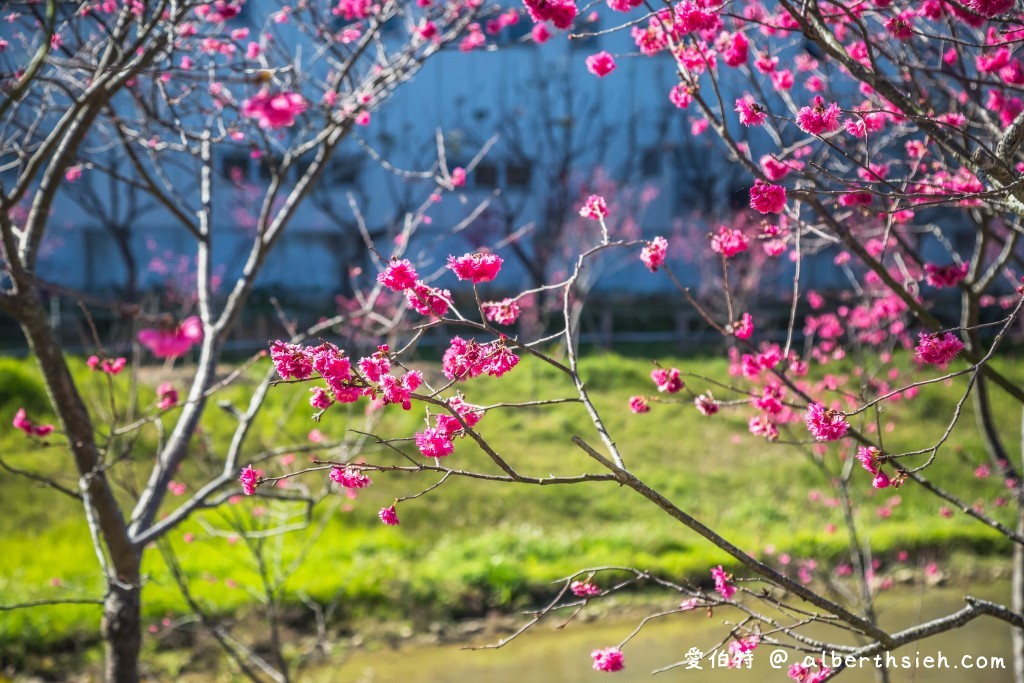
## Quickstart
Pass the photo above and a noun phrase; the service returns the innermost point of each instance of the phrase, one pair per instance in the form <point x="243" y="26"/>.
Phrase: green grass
<point x="472" y="546"/>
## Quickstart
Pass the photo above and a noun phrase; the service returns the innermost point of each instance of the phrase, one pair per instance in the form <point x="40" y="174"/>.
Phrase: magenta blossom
<point x="819" y="119"/>
<point x="250" y="479"/>
<point x="654" y="252"/>
<point x="723" y="582"/>
<point x="938" y="349"/>
<point x="274" y="110"/>
<point x="767" y="198"/>
<point x="945" y="276"/>
<point x="601" y="64"/>
<point x="638" y="404"/>
<point x="825" y="424"/>
<point x="667" y="380"/>
<point x="389" y="516"/>
<point x="584" y="589"/>
<point x="30" y="428"/>
<point x="706" y="404"/>
<point x="729" y="242"/>
<point x="594" y="208"/>
<point x="398" y="276"/>
<point x="482" y="267"/>
<point x="350" y="478"/>
<point x="171" y="343"/>
<point x="504" y="312"/>
<point x="167" y="396"/>
<point x="608" y="659"/>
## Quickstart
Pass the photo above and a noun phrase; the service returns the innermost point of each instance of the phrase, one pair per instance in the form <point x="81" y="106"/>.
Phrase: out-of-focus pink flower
<point x="170" y="343"/>
<point x="274" y="109"/>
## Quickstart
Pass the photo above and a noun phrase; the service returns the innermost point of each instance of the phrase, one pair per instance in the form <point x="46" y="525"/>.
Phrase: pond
<point x="546" y="655"/>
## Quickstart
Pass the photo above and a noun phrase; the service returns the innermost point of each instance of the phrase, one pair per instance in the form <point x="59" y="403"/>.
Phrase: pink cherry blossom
<point x="744" y="327"/>
<point x="389" y="516"/>
<point x="601" y="64"/>
<point x="638" y="405"/>
<point x="945" y="276"/>
<point x="938" y="349"/>
<point x="427" y="300"/>
<point x="723" y="582"/>
<point x="594" y="208"/>
<point x="504" y="312"/>
<point x="274" y="110"/>
<point x="26" y="425"/>
<point x="654" y="252"/>
<point x="825" y="424"/>
<point x="609" y="659"/>
<point x="728" y="242"/>
<point x="292" y="361"/>
<point x="172" y="342"/>
<point x="681" y="95"/>
<point x="558" y="12"/>
<point x="350" y="478"/>
<point x="250" y="479"/>
<point x="398" y="276"/>
<point x="819" y="119"/>
<point x="434" y="443"/>
<point x="167" y="396"/>
<point x="667" y="380"/>
<point x="751" y="113"/>
<point x="479" y="267"/>
<point x="706" y="404"/>
<point x="767" y="198"/>
<point x="584" y="589"/>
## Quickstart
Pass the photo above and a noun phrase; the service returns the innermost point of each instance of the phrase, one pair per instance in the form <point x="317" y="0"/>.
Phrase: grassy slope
<point x="475" y="545"/>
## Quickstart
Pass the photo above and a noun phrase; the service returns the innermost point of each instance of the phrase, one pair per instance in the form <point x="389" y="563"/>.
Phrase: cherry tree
<point x="154" y="97"/>
<point x="882" y="138"/>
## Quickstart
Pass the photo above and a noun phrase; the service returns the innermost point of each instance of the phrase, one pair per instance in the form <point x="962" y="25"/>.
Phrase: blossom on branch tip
<point x="320" y="399"/>
<point x="609" y="659"/>
<point x="389" y="516"/>
<point x="250" y="479"/>
<point x="398" y="276"/>
<point x="480" y="267"/>
<point x="667" y="380"/>
<point x="654" y="252"/>
<point x="638" y="405"/>
<point x="110" y="367"/>
<point x="594" y="208"/>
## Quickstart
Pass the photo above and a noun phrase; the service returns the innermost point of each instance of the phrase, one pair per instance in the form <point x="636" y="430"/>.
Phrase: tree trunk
<point x="122" y="629"/>
<point x="121" y="558"/>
